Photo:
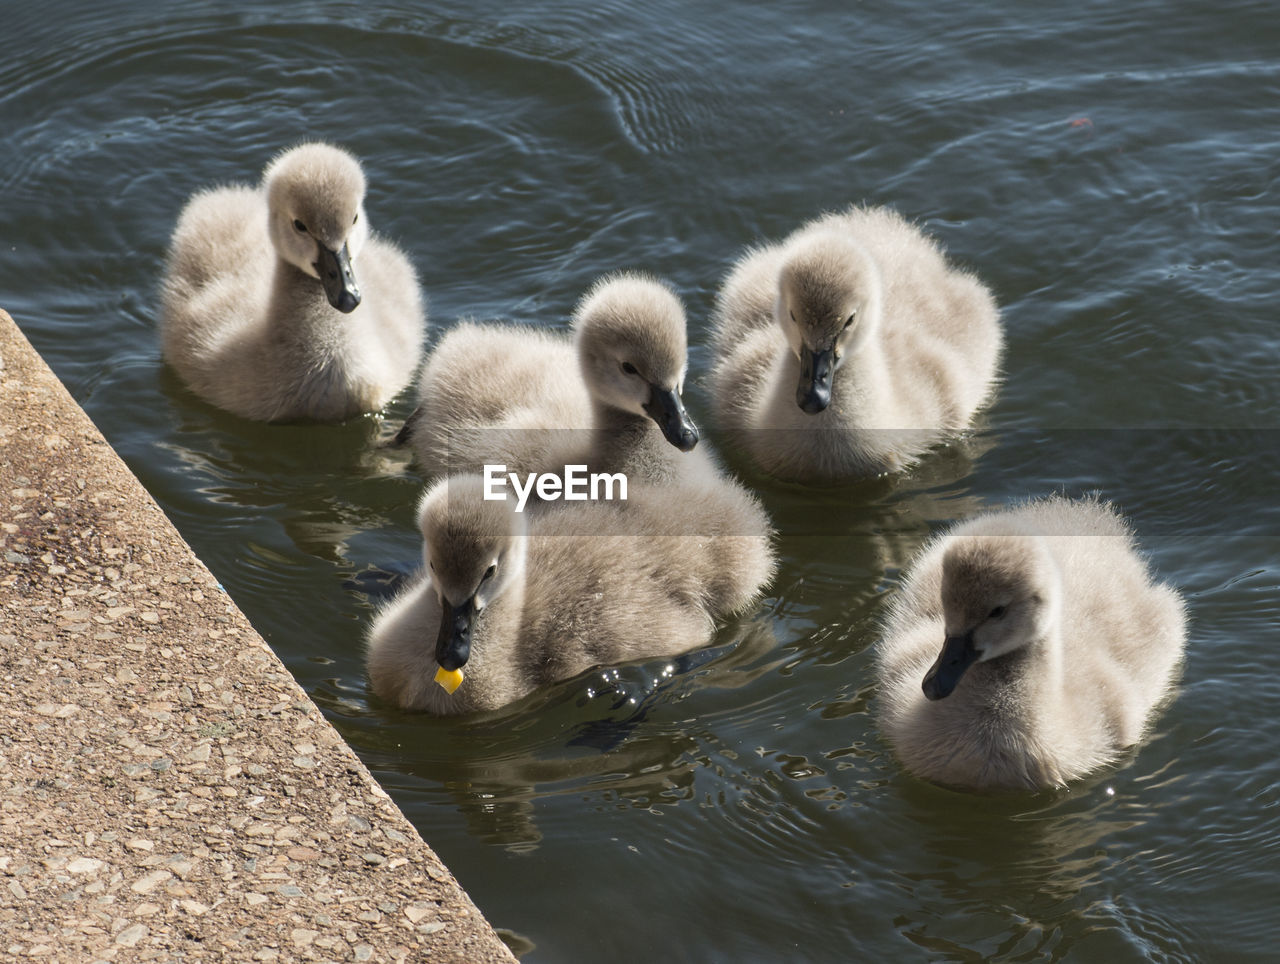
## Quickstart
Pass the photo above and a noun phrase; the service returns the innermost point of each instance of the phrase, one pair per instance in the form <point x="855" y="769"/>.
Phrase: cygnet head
<point x="828" y="305"/>
<point x="999" y="593"/>
<point x="473" y="549"/>
<point x="630" y="334"/>
<point x="315" y="197"/>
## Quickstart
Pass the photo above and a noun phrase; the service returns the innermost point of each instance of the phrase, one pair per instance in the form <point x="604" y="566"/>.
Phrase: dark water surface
<point x="1110" y="169"/>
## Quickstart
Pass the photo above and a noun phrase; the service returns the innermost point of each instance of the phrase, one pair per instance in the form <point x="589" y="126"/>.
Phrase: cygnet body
<point x="607" y="397"/>
<point x="279" y="304"/>
<point x="1027" y="648"/>
<point x="517" y="601"/>
<point x="850" y="348"/>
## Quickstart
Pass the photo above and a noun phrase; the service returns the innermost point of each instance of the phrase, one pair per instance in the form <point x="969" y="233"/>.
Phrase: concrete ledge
<point x="167" y="791"/>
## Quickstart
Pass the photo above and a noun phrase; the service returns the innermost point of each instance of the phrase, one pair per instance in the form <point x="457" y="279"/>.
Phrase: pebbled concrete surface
<point x="167" y="791"/>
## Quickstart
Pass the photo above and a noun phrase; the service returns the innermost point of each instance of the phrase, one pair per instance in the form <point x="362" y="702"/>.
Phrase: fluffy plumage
<point x="551" y="594"/>
<point x="1026" y="648"/>
<point x="849" y="348"/>
<point x="608" y="397"/>
<point x="279" y="304"/>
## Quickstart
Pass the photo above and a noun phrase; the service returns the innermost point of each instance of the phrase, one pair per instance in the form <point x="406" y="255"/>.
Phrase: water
<point x="1110" y="169"/>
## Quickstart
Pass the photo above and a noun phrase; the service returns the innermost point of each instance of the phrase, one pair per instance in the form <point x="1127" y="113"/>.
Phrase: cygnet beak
<point x="958" y="654"/>
<point x="665" y="408"/>
<point x="813" y="393"/>
<point x="453" y="644"/>
<point x="334" y="268"/>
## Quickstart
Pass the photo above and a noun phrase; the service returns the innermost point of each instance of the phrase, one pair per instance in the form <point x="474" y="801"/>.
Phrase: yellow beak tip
<point x="449" y="680"/>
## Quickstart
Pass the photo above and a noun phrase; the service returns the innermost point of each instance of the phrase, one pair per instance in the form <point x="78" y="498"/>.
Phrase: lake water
<point x="1111" y="170"/>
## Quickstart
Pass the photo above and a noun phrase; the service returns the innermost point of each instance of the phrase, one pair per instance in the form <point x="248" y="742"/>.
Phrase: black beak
<point x="813" y="394"/>
<point x="957" y="656"/>
<point x="334" y="268"/>
<point x="453" y="645"/>
<point x="665" y="408"/>
<point x="405" y="435"/>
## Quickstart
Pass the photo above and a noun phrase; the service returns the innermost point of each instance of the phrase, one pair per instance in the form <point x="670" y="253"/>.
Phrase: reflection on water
<point x="1051" y="854"/>
<point x="1110" y="172"/>
<point x="607" y="730"/>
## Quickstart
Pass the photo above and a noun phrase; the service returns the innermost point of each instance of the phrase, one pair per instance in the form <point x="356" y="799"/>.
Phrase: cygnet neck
<point x="297" y="299"/>
<point x="623" y="441"/>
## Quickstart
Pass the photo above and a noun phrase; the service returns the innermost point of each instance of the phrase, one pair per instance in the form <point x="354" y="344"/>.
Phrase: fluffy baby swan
<point x="522" y="397"/>
<point x="1027" y="648"/>
<point x="850" y="348"/>
<point x="518" y="601"/>
<point x="280" y="304"/>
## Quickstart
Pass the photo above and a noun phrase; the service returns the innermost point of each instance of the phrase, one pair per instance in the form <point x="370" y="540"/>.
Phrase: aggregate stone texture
<point x="167" y="790"/>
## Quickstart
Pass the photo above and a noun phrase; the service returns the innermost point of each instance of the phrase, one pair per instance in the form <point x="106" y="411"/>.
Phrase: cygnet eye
<point x="849" y="321"/>
<point x="356" y="218"/>
<point x="300" y="226"/>
<point x="488" y="573"/>
<point x="629" y="368"/>
<point x="998" y="612"/>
